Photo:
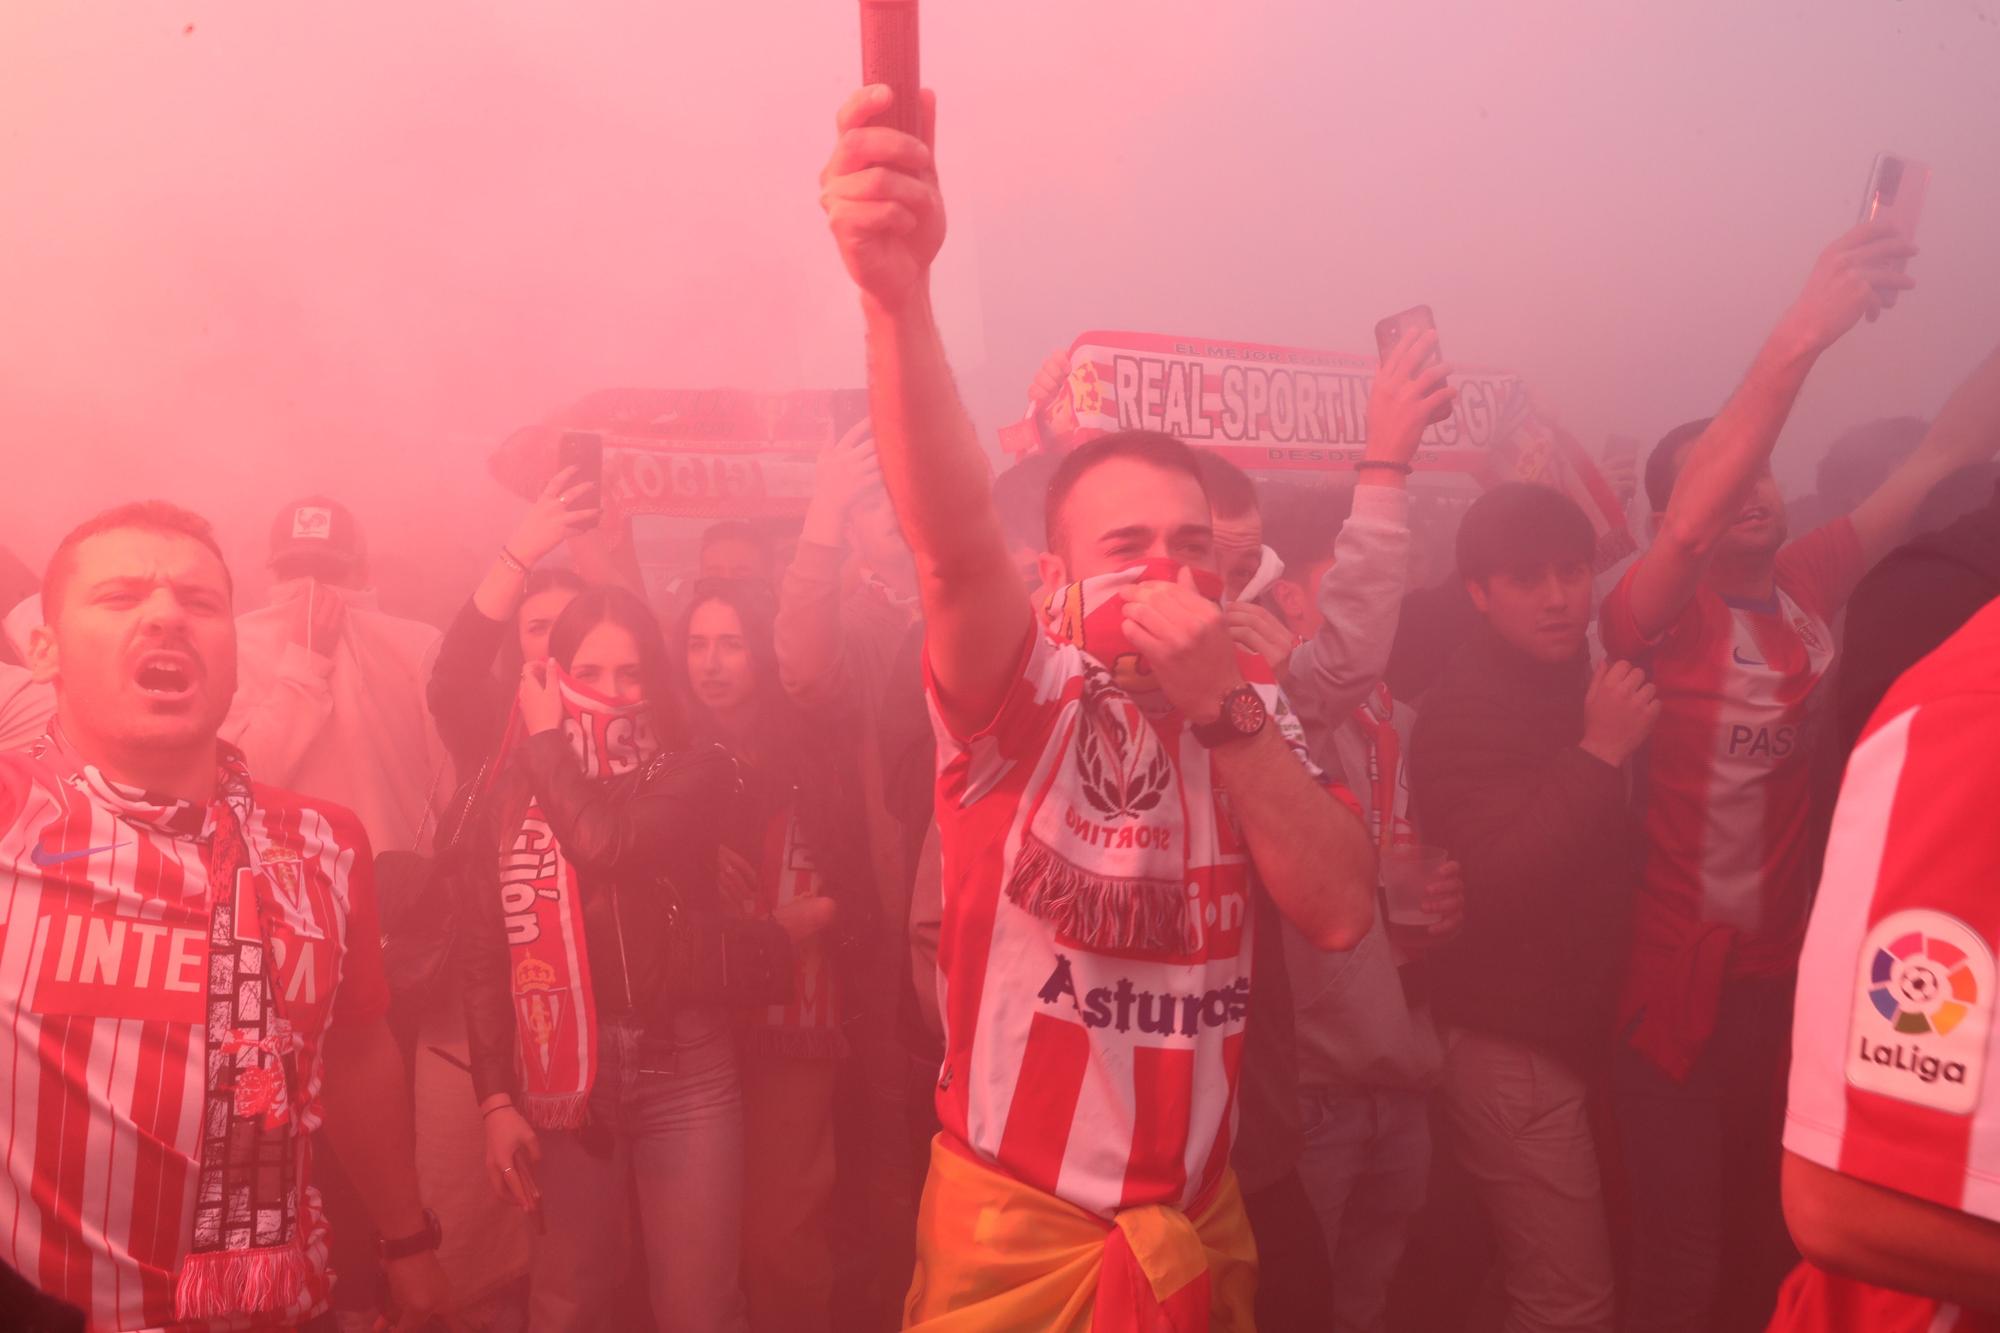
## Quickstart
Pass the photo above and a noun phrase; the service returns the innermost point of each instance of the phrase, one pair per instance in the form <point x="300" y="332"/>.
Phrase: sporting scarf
<point x="555" y="1009"/>
<point x="808" y="1024"/>
<point x="248" y="1257"/>
<point x="1105" y="852"/>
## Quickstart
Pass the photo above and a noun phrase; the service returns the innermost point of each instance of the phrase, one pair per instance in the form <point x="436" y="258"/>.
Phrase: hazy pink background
<point x="350" y="246"/>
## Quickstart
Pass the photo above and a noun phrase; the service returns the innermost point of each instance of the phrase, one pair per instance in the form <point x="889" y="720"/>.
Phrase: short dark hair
<point x="1520" y="526"/>
<point x="1146" y="446"/>
<point x="1021" y="495"/>
<point x="1663" y="465"/>
<point x="1231" y="493"/>
<point x="143" y="516"/>
<point x="594" y="607"/>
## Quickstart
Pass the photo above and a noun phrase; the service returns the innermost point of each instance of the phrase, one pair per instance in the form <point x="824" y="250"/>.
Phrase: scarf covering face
<point x="1104" y="855"/>
<point x="555" y="1011"/>
<point x="248" y="1257"/>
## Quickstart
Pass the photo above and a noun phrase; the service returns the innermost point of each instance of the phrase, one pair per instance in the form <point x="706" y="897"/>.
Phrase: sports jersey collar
<point x="177" y="818"/>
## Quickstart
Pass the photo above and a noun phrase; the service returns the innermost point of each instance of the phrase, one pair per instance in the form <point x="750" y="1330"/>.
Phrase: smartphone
<point x="1896" y="188"/>
<point x="584" y="451"/>
<point x="521" y="1169"/>
<point x="889" y="56"/>
<point x="1390" y="332"/>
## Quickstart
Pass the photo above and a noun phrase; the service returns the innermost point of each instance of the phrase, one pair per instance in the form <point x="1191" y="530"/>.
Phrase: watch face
<point x="1244" y="711"/>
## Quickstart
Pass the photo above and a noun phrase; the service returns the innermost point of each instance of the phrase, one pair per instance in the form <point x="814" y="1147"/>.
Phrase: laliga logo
<point x="1927" y="978"/>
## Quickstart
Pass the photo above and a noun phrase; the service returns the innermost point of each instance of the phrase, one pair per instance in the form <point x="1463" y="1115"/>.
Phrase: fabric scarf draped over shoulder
<point x="555" y="1012"/>
<point x="1104" y="855"/>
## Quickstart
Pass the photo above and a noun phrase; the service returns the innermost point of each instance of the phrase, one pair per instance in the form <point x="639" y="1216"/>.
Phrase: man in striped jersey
<point x="1733" y="623"/>
<point x="191" y="977"/>
<point x="1892" y="1134"/>
<point x="1110" y="795"/>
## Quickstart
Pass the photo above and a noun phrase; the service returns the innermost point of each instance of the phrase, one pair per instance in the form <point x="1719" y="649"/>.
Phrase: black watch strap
<point x="1243" y="715"/>
<point x="423" y="1242"/>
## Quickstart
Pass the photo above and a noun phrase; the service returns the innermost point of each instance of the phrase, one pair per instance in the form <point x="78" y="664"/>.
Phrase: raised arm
<point x="810" y="635"/>
<point x="1361" y="593"/>
<point x="1855" y="276"/>
<point x="880" y="192"/>
<point x="1967" y="431"/>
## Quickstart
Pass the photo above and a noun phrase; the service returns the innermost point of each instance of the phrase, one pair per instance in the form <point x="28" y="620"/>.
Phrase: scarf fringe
<point x="1099" y="911"/>
<point x="566" y="1110"/>
<point x="220" y="1284"/>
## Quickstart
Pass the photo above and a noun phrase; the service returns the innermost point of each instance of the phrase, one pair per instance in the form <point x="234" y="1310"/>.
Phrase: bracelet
<point x="1403" y="468"/>
<point x="513" y="562"/>
<point x="500" y="1106"/>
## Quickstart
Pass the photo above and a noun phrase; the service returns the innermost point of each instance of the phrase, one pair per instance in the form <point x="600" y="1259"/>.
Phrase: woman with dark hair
<point x="468" y="700"/>
<point x="596" y="964"/>
<point x="792" y="853"/>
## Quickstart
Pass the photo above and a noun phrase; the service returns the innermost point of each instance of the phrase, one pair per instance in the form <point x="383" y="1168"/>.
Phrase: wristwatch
<point x="1242" y="717"/>
<point x="423" y="1242"/>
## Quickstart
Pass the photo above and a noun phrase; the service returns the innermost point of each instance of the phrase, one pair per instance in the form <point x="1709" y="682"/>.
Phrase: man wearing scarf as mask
<point x="191" y="981"/>
<point x="1110" y="795"/>
<point x="332" y="698"/>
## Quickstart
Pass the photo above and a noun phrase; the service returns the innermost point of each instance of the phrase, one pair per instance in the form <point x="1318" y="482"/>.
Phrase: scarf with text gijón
<point x="555" y="1014"/>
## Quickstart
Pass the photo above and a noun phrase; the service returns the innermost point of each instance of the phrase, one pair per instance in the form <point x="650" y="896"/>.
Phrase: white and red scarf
<point x="555" y="1011"/>
<point x="1105" y="852"/>
<point x="248" y="1256"/>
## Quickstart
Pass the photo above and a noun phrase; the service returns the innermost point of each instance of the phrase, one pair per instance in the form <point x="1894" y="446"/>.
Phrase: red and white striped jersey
<point x="1895" y="1075"/>
<point x="1106" y="1079"/>
<point x="1724" y="783"/>
<point x="103" y="972"/>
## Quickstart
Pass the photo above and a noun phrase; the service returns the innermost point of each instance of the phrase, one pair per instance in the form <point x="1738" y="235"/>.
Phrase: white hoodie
<point x="351" y="726"/>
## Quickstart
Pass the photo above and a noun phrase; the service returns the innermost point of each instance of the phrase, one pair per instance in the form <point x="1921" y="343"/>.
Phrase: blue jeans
<point x="666" y="1119"/>
<point x="1365" y="1162"/>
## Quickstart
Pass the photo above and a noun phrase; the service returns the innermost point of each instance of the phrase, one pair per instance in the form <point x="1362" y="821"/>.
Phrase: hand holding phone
<point x="582" y="451"/>
<point x="523" y="1171"/>
<point x="1427" y="379"/>
<point x="1895" y="195"/>
<point x="889" y="57"/>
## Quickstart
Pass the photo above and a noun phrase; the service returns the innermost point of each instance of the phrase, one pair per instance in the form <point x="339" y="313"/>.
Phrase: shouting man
<point x="1111" y="793"/>
<point x="191" y="980"/>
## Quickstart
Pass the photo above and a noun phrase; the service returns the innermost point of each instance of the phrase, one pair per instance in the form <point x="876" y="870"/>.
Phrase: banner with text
<point x="1269" y="408"/>
<point x="694" y="453"/>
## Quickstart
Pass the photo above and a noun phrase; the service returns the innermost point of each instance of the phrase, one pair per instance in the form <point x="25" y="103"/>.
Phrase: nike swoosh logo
<point x="41" y="856"/>
<point x="1741" y="660"/>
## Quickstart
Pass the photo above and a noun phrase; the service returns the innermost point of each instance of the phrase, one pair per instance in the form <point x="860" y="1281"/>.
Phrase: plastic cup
<point x="1407" y="870"/>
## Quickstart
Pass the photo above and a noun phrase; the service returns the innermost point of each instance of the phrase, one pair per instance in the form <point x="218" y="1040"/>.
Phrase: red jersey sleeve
<point x="1894" y="1077"/>
<point x="1046" y="674"/>
<point x="1618" y="630"/>
<point x="1820" y="569"/>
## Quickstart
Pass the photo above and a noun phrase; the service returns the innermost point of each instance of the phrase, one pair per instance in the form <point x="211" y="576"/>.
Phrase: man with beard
<point x="1733" y="623"/>
<point x="191" y="981"/>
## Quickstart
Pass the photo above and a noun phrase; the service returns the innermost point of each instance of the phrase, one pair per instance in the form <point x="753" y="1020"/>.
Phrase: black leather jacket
<point x="628" y="837"/>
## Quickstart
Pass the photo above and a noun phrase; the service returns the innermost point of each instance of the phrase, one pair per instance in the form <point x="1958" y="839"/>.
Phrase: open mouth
<point x="1754" y="514"/>
<point x="165" y="675"/>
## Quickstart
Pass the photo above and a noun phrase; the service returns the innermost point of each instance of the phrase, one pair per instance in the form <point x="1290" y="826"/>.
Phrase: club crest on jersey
<point x="285" y="877"/>
<point x="1808" y="635"/>
<point x="1922" y="1011"/>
